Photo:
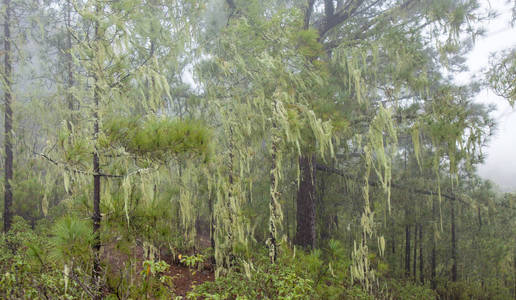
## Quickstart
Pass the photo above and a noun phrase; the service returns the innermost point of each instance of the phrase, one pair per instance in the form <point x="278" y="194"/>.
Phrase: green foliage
<point x="409" y="290"/>
<point x="71" y="240"/>
<point x="158" y="138"/>
<point x="308" y="44"/>
<point x="259" y="282"/>
<point x="502" y="75"/>
<point x="31" y="272"/>
<point x="31" y="190"/>
<point x="296" y="275"/>
<point x="155" y="282"/>
<point x="369" y="99"/>
<point x="193" y="261"/>
<point x="490" y="289"/>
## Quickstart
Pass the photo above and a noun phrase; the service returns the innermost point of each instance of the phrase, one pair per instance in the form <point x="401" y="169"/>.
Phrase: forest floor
<point x="184" y="278"/>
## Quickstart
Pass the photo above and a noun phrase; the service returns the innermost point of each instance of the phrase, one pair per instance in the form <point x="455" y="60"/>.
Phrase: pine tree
<point x="8" y="118"/>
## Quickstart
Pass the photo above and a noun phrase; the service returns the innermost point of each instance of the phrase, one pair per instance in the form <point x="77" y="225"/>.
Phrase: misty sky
<point x="500" y="164"/>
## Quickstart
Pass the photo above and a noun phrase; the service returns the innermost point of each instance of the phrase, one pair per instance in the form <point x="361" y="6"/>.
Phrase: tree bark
<point x="308" y="14"/>
<point x="230" y="181"/>
<point x="8" y="119"/>
<point x="479" y="218"/>
<point x="393" y="237"/>
<point x="212" y="227"/>
<point x="453" y="244"/>
<point x="324" y="216"/>
<point x="274" y="198"/>
<point x="96" y="221"/>
<point x="433" y="267"/>
<point x="69" y="61"/>
<point x="407" y="250"/>
<point x="514" y="273"/>
<point x="96" y="181"/>
<point x="305" y="216"/>
<point x="414" y="259"/>
<point x="421" y="274"/>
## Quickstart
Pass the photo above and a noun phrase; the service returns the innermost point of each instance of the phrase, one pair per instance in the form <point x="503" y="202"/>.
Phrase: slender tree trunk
<point x="287" y="222"/>
<point x="69" y="61"/>
<point x="305" y="215"/>
<point x="8" y="119"/>
<point x="514" y="273"/>
<point x="274" y="198"/>
<point x="212" y="227"/>
<point x="453" y="243"/>
<point x="212" y="223"/>
<point x="414" y="258"/>
<point x="294" y="224"/>
<point x="393" y="237"/>
<point x="433" y="267"/>
<point x="479" y="218"/>
<point x="421" y="274"/>
<point x="69" y="76"/>
<point x="96" y="210"/>
<point x="407" y="250"/>
<point x="231" y="181"/>
<point x="96" y="181"/>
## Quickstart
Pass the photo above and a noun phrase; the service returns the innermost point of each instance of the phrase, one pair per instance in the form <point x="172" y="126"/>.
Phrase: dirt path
<point x="185" y="279"/>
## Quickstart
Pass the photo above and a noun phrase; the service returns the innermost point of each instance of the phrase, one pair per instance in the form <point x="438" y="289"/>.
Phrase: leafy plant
<point x="192" y="261"/>
<point x="155" y="281"/>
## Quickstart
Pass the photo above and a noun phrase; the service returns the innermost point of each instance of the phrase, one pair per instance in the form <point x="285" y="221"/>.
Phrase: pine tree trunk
<point x="274" y="198"/>
<point x="96" y="182"/>
<point x="414" y="258"/>
<point x="323" y="215"/>
<point x="69" y="75"/>
<point x="287" y="223"/>
<point x="230" y="193"/>
<point x="453" y="243"/>
<point x="305" y="215"/>
<point x="421" y="274"/>
<point x="433" y="267"/>
<point x="407" y="250"/>
<point x="479" y="218"/>
<point x="96" y="222"/>
<point x="8" y="119"/>
<point x="393" y="237"/>
<point x="514" y="273"/>
<point x="69" y="61"/>
<point x="212" y="227"/>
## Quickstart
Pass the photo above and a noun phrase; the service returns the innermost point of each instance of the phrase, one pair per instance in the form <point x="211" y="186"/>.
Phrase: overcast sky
<point x="500" y="164"/>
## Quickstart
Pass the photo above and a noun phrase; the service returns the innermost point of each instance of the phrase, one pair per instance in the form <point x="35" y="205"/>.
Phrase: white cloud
<point x="500" y="164"/>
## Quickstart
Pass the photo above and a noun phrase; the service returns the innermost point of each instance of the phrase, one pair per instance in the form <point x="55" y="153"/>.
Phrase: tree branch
<point x="131" y="72"/>
<point x="339" y="17"/>
<point x="329" y="8"/>
<point x="231" y="4"/>
<point x="324" y="168"/>
<point x="80" y="283"/>
<point x="308" y="14"/>
<point x="70" y="169"/>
